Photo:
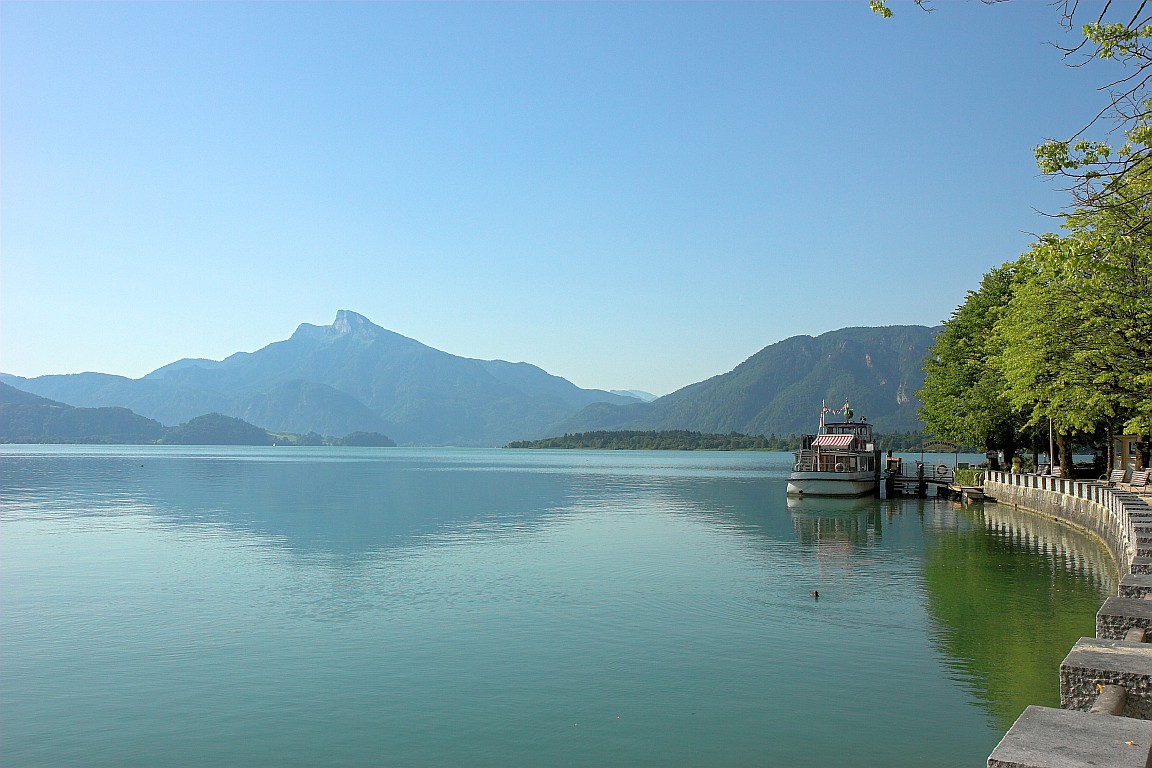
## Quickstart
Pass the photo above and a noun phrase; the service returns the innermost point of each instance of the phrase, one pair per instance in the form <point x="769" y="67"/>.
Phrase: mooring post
<point x="1111" y="701"/>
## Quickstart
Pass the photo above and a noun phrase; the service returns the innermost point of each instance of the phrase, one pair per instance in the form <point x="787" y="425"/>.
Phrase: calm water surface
<point x="292" y="606"/>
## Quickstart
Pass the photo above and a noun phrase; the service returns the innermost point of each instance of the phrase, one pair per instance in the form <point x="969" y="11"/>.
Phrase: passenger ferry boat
<point x="840" y="460"/>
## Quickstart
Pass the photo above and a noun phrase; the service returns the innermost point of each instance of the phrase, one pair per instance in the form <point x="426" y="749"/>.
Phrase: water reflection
<point x="1066" y="548"/>
<point x="823" y="522"/>
<point x="1010" y="592"/>
<point x="356" y="505"/>
<point x="337" y="507"/>
<point x="682" y="577"/>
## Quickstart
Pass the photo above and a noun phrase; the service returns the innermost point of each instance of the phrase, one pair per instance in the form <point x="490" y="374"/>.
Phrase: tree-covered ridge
<point x="216" y="429"/>
<point x="664" y="440"/>
<point x="27" y="418"/>
<point x="780" y="388"/>
<point x="684" y="440"/>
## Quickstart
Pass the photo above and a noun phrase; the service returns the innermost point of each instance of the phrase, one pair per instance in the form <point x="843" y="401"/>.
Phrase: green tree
<point x="965" y="396"/>
<point x="1077" y="335"/>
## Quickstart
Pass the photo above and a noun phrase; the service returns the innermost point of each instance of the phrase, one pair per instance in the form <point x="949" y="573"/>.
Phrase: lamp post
<point x="1051" y="448"/>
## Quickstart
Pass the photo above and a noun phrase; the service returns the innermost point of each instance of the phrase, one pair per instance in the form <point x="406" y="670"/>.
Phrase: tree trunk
<point x="1111" y="446"/>
<point x="1064" y="446"/>
<point x="1009" y="451"/>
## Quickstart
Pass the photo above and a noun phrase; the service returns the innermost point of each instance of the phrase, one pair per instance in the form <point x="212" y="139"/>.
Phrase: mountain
<point x="353" y="376"/>
<point x="779" y="389"/>
<point x="28" y="418"/>
<point x="639" y="394"/>
<point x="346" y="377"/>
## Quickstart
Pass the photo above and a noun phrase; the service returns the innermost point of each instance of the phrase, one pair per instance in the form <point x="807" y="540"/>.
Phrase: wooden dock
<point x="968" y="494"/>
<point x="906" y="478"/>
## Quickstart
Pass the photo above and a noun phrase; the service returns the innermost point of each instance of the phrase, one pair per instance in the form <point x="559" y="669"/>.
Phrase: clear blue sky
<point x="630" y="195"/>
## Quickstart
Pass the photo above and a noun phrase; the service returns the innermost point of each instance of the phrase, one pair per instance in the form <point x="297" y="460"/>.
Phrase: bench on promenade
<point x="1139" y="481"/>
<point x="1114" y="478"/>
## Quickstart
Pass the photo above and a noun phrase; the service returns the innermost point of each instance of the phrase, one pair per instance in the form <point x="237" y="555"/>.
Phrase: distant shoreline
<point x="684" y="440"/>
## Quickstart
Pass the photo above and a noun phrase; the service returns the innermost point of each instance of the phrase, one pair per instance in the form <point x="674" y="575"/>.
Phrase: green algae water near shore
<point x="219" y="606"/>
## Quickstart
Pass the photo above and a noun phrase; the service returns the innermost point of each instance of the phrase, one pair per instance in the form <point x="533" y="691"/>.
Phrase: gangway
<point x="913" y="478"/>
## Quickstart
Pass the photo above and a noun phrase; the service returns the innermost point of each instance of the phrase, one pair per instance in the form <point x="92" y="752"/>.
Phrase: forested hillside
<point x="779" y="389"/>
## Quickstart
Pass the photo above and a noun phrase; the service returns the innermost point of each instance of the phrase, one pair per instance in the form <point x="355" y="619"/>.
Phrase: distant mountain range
<point x="353" y="376"/>
<point x="346" y="377"/>
<point x="29" y="418"/>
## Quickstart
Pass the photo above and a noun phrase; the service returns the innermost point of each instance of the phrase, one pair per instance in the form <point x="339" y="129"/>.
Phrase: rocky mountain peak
<point x="349" y="322"/>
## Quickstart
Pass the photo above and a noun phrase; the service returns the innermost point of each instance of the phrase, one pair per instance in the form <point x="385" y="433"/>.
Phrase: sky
<point x="628" y="195"/>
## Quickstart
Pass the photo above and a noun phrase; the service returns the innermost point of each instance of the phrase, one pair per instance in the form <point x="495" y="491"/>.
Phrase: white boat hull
<point x="831" y="483"/>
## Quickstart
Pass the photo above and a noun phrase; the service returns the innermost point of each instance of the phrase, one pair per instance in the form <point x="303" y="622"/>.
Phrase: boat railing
<point x="827" y="461"/>
<point x="805" y="461"/>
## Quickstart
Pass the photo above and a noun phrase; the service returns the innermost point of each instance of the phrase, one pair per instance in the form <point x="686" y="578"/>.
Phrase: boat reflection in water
<point x="1005" y="592"/>
<point x="823" y="520"/>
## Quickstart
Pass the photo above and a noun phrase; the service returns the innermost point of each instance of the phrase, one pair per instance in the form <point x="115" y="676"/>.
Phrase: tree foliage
<point x="964" y="396"/>
<point x="1062" y="334"/>
<point x="216" y="429"/>
<point x="365" y="440"/>
<point x="1077" y="337"/>
<point x="684" y="440"/>
<point x="1070" y="340"/>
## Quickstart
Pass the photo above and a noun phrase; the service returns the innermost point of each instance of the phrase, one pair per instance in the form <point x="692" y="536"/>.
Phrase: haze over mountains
<point x="353" y="376"/>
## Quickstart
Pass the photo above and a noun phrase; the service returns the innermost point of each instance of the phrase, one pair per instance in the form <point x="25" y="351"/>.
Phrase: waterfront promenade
<point x="1105" y="681"/>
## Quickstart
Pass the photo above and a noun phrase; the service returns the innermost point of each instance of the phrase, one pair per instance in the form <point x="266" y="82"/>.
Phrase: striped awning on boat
<point x="834" y="441"/>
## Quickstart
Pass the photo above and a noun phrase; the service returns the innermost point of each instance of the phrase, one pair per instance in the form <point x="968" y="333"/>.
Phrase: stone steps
<point x="1094" y="663"/>
<point x="1044" y="737"/>
<point x="1135" y="585"/>
<point x="1120" y="614"/>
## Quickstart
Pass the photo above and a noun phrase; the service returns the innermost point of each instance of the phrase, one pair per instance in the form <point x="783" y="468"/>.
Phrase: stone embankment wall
<point x="1106" y="681"/>
<point x="1091" y="506"/>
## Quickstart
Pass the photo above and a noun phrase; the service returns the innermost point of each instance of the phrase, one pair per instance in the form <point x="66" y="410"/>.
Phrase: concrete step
<point x="1135" y="585"/>
<point x="1043" y="737"/>
<point x="1120" y="614"/>
<point x="1094" y="663"/>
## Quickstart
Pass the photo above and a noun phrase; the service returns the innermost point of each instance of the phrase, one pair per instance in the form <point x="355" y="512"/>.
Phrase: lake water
<point x="429" y="607"/>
